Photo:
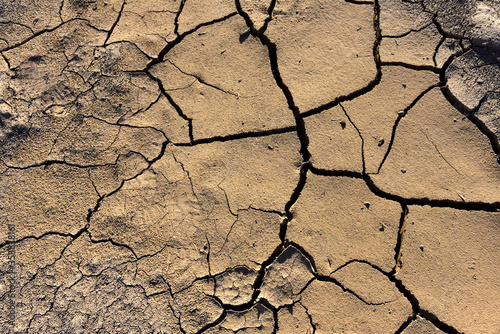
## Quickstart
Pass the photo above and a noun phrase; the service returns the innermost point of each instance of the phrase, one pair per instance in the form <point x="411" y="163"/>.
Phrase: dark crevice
<point x="254" y="299"/>
<point x="293" y="198"/>
<point x="494" y="141"/>
<point x="412" y="66"/>
<point x="212" y="324"/>
<point x="399" y="244"/>
<point x="114" y="243"/>
<point x="275" y="318"/>
<point x="273" y="58"/>
<point x="327" y="172"/>
<point x="270" y="10"/>
<point x="47" y="163"/>
<point x="359" y="2"/>
<point x="237" y="136"/>
<point x="175" y="106"/>
<point x="300" y="125"/>
<point x="439" y="28"/>
<point x="176" y="20"/>
<point x="41" y="236"/>
<point x="311" y="322"/>
<point x="166" y="49"/>
<point x="110" y="32"/>
<point x="326" y="278"/>
<point x="438" y="323"/>
<point x="492" y="137"/>
<point x="329" y="279"/>
<point x="441" y="203"/>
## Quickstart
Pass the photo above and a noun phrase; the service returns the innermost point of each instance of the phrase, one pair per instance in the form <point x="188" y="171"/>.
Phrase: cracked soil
<point x="250" y="166"/>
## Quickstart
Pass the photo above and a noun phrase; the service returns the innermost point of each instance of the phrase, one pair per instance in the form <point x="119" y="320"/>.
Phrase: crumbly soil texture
<point x="250" y="166"/>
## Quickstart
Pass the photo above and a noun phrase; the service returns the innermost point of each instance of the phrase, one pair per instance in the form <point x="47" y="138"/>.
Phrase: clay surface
<point x="241" y="166"/>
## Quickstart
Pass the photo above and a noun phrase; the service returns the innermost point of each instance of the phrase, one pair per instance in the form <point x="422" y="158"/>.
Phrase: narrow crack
<point x="436" y="51"/>
<point x="411" y="66"/>
<point x="273" y="58"/>
<point x="176" y="20"/>
<point x="122" y="183"/>
<point x="360" y="136"/>
<point x="175" y="105"/>
<point x="399" y="244"/>
<point x="200" y="80"/>
<point x="440" y="154"/>
<point x="110" y="32"/>
<point x="396" y="123"/>
<point x="442" y="203"/>
<point x="408" y="32"/>
<point x="180" y="37"/>
<point x="311" y="322"/>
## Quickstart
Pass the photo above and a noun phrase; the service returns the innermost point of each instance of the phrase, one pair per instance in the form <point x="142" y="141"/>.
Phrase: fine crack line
<point x="408" y="32"/>
<point x="200" y="80"/>
<point x="41" y="32"/>
<point x="396" y="123"/>
<point x="439" y="152"/>
<point x="360" y="136"/>
<point x="169" y="46"/>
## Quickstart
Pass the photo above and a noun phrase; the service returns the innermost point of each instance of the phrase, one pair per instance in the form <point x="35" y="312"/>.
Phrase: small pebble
<point x="382" y="227"/>
<point x="367" y="205"/>
<point x="403" y="170"/>
<point x="381" y="141"/>
<point x="421" y="248"/>
<point x="342" y="124"/>
<point x="401" y="113"/>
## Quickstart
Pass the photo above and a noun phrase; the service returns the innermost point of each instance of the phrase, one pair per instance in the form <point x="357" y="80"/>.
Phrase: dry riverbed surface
<point x="250" y="166"/>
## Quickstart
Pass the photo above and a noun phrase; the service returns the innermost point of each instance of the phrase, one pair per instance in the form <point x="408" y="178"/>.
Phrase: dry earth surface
<point x="257" y="166"/>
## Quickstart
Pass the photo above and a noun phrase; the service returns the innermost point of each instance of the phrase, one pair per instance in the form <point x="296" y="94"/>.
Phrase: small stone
<point x="382" y="227"/>
<point x="381" y="141"/>
<point x="270" y="147"/>
<point x="342" y="124"/>
<point x="403" y="170"/>
<point x="401" y="113"/>
<point x="367" y="205"/>
<point x="421" y="248"/>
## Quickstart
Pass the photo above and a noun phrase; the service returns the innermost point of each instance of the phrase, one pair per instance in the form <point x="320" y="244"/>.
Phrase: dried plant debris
<point x="237" y="166"/>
